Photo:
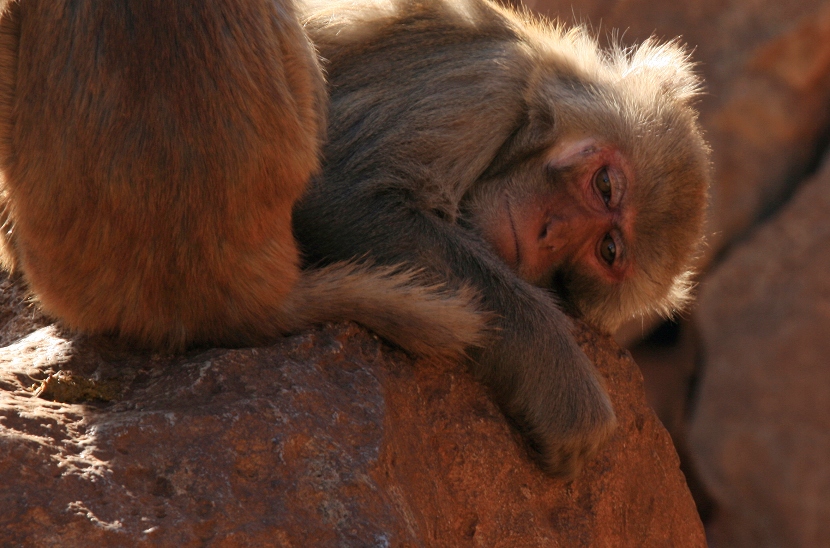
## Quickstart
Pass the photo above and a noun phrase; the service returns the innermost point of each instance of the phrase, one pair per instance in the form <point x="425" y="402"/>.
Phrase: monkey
<point x="157" y="160"/>
<point x="486" y="146"/>
<point x="151" y="153"/>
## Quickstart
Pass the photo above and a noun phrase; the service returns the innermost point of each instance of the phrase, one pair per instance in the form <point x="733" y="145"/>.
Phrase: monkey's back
<point x="151" y="152"/>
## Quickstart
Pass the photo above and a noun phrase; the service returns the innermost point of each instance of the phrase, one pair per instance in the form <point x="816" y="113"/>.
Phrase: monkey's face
<point x="579" y="215"/>
<point x="566" y="210"/>
<point x="579" y="219"/>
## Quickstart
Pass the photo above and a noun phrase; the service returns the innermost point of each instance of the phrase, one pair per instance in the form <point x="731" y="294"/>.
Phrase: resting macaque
<point x="488" y="148"/>
<point x="151" y="152"/>
<point x="493" y="170"/>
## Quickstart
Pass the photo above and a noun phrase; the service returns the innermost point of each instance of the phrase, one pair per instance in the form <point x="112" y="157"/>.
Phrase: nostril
<point x="546" y="231"/>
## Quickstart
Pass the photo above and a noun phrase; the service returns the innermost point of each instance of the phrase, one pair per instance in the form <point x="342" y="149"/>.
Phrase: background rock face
<point x="761" y="432"/>
<point x="324" y="439"/>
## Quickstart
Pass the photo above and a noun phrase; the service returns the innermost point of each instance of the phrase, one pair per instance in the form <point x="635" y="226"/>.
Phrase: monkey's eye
<point x="603" y="183"/>
<point x="608" y="249"/>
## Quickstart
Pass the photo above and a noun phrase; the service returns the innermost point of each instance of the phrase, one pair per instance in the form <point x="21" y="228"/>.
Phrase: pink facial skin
<point x="583" y="218"/>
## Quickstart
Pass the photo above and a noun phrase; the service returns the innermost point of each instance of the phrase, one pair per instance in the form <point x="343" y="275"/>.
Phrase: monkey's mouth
<point x="516" y="247"/>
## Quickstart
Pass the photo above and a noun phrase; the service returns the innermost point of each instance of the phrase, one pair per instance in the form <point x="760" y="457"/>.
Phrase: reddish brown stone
<point x="761" y="432"/>
<point x="326" y="438"/>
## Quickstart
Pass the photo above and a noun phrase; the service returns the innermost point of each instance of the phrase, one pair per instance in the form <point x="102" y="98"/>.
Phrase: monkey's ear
<point x="665" y="66"/>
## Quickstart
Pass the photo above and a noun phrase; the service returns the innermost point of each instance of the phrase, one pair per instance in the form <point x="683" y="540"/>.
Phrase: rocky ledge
<point x="326" y="438"/>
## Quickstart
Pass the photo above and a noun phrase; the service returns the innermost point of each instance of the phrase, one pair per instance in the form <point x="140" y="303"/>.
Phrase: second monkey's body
<point x="489" y="148"/>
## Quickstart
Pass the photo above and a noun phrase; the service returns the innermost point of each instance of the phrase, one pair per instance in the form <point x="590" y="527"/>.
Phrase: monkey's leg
<point x="539" y="375"/>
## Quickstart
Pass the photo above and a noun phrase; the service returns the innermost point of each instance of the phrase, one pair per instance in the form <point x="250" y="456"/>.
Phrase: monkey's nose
<point x="564" y="234"/>
<point x="554" y="231"/>
<point x="553" y="236"/>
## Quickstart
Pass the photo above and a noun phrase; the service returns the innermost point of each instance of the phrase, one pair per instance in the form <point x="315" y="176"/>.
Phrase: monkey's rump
<point x="151" y="154"/>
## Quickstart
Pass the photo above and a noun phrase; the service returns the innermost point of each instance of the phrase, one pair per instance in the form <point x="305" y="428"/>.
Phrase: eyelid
<point x="619" y="247"/>
<point x="612" y="192"/>
<point x="619" y="185"/>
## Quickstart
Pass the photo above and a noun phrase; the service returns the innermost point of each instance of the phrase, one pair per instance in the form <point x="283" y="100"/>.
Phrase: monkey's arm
<point x="422" y="104"/>
<point x="540" y="377"/>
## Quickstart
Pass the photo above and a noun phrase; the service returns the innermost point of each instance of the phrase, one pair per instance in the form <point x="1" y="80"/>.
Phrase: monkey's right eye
<point x="602" y="181"/>
<point x="608" y="249"/>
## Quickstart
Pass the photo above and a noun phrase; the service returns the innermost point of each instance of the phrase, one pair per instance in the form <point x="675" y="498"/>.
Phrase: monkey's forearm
<point x="387" y="231"/>
<point x="538" y="373"/>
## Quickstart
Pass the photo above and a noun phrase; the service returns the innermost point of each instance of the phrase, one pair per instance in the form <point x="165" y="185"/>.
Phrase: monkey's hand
<point x="545" y="383"/>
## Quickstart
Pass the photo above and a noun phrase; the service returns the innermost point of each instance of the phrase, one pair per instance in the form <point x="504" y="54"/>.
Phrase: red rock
<point x="326" y="438"/>
<point x="761" y="432"/>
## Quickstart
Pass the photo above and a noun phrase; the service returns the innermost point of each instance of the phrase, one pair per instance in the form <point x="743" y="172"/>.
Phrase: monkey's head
<point x="601" y="193"/>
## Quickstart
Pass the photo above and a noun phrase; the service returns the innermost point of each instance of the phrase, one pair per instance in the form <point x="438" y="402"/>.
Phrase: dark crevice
<point x="675" y="344"/>
<point x="821" y="146"/>
<point x="665" y="334"/>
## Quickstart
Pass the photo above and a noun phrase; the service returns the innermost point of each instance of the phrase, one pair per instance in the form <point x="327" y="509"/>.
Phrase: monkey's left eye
<point x="602" y="181"/>
<point x="608" y="249"/>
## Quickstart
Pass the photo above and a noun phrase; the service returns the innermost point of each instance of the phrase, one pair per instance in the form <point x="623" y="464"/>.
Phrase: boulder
<point x="326" y="438"/>
<point x="761" y="431"/>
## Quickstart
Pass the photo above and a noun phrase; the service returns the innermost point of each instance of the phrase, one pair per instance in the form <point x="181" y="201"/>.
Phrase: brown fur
<point x="151" y="153"/>
<point x="438" y="107"/>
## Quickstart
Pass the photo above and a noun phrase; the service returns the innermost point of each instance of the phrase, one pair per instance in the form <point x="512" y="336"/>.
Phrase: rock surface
<point x="761" y="433"/>
<point x="326" y="438"/>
